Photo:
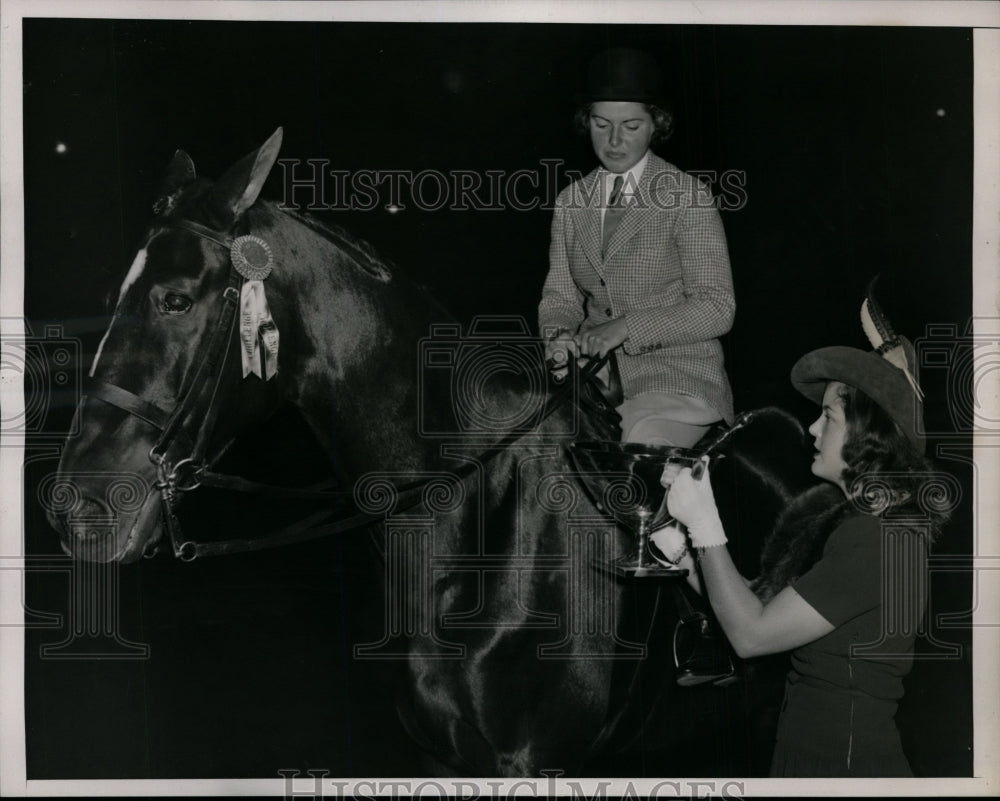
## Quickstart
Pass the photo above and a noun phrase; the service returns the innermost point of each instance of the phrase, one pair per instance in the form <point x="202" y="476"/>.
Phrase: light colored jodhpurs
<point x="661" y="418"/>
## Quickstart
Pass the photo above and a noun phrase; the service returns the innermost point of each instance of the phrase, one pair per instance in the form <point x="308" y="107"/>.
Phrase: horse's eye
<point x="174" y="303"/>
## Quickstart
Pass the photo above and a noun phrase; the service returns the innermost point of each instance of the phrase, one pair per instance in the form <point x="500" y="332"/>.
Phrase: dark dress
<point x="838" y="716"/>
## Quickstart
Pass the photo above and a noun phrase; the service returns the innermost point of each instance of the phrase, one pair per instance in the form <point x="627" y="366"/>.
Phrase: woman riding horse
<point x="644" y="273"/>
<point x="645" y="270"/>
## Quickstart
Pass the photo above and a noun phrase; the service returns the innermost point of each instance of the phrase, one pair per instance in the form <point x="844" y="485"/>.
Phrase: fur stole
<point x="797" y="541"/>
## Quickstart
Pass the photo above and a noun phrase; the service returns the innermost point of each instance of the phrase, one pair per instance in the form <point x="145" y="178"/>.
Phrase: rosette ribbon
<point x="259" y="337"/>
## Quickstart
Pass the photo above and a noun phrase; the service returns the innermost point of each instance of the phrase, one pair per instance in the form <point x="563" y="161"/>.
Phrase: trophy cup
<point x="623" y="479"/>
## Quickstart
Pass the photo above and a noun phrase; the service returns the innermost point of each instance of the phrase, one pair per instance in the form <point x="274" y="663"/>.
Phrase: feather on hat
<point x="886" y="342"/>
<point x="884" y="374"/>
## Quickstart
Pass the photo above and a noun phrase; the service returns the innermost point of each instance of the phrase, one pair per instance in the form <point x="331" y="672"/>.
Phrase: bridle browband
<point x="193" y="471"/>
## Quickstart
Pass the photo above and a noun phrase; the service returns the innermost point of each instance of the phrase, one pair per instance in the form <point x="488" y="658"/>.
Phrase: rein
<point x="193" y="471"/>
<point x="307" y="529"/>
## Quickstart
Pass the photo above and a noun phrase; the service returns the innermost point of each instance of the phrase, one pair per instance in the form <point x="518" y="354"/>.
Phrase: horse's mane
<point x="364" y="254"/>
<point x="360" y="250"/>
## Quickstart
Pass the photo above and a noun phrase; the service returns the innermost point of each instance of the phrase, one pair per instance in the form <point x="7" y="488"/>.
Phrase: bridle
<point x="173" y="476"/>
<point x="178" y="476"/>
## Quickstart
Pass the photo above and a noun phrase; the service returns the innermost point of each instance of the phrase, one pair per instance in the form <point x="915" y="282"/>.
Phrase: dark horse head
<point x="158" y="365"/>
<point x="169" y="388"/>
<point x="508" y="641"/>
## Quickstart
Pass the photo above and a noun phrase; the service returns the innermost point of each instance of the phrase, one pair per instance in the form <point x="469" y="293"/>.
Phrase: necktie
<point x="613" y="213"/>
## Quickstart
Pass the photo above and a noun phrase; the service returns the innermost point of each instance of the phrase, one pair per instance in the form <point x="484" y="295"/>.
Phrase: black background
<point x="856" y="145"/>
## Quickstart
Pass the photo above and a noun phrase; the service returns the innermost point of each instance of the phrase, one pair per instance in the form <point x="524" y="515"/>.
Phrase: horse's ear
<point x="238" y="188"/>
<point x="180" y="171"/>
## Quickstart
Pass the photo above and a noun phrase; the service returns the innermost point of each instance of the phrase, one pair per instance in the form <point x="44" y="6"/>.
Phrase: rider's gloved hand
<point x="690" y="501"/>
<point x="557" y="352"/>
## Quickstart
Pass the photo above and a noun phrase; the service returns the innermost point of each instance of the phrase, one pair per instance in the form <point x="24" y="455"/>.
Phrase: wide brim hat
<point x="623" y="74"/>
<point x="883" y="381"/>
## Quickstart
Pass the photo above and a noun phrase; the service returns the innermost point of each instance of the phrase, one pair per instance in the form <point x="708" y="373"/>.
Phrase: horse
<point x="513" y="652"/>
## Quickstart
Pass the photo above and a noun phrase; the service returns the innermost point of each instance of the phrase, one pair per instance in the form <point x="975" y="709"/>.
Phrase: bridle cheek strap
<point x="207" y="378"/>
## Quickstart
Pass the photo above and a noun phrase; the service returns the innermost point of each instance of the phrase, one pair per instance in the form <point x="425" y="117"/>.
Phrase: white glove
<point x="691" y="502"/>
<point x="671" y="542"/>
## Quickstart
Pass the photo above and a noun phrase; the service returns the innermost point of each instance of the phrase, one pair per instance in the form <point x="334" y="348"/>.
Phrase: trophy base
<point x="628" y="566"/>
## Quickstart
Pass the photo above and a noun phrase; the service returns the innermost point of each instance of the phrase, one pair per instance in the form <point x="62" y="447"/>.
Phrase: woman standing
<point x="847" y="591"/>
<point x="638" y="259"/>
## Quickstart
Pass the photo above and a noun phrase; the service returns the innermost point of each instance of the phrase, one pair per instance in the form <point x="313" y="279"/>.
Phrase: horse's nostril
<point x="69" y="521"/>
<point x="90" y="509"/>
<point x="91" y="521"/>
<point x="90" y="531"/>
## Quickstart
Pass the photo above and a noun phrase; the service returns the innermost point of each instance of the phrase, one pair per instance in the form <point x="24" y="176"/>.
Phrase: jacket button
<point x="602" y="282"/>
<point x="607" y="312"/>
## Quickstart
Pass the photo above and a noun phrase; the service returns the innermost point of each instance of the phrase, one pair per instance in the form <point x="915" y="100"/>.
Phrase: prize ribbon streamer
<point x="258" y="333"/>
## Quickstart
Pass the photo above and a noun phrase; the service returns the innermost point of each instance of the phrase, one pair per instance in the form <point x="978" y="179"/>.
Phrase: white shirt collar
<point x="631" y="179"/>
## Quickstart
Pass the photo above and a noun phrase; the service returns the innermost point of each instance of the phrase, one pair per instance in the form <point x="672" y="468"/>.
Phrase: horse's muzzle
<point x="92" y="532"/>
<point x="89" y="532"/>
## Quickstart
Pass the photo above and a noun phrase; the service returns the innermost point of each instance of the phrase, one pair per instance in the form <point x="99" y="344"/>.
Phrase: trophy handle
<point x="644" y="530"/>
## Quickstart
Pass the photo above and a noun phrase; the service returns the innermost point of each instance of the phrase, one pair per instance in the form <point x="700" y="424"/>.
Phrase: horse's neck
<point x="350" y="356"/>
<point x="352" y="362"/>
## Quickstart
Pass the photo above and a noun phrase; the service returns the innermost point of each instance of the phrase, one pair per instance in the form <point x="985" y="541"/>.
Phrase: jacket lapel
<point x="586" y="216"/>
<point x="638" y="212"/>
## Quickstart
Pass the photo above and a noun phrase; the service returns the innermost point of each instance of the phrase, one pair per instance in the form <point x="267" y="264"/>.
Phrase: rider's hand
<point x="691" y="501"/>
<point x="600" y="339"/>
<point x="557" y="352"/>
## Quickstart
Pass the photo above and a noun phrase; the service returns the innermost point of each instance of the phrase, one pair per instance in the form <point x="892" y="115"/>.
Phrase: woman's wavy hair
<point x="663" y="121"/>
<point x="884" y="472"/>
